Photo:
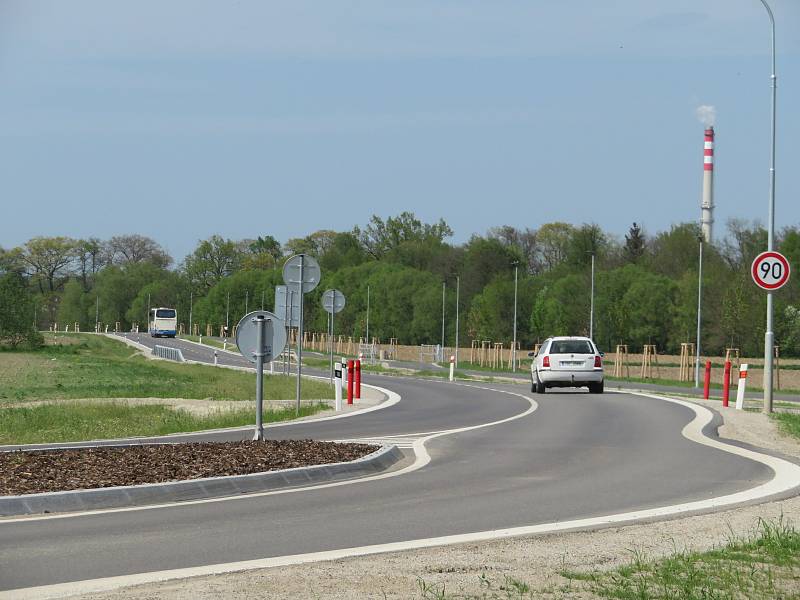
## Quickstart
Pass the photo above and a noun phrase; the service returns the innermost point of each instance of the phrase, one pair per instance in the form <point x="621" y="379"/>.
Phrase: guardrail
<point x="168" y="353"/>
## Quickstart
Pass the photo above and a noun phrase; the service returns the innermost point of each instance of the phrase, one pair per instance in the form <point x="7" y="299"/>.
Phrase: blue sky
<point x="182" y="119"/>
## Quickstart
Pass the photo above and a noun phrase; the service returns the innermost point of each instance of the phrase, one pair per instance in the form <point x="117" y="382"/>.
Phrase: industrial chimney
<point x="707" y="203"/>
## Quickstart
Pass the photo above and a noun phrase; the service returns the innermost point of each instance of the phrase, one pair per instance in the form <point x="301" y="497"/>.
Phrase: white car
<point x="567" y="362"/>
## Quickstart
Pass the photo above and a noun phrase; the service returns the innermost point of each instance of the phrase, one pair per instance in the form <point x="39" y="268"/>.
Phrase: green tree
<point x="18" y="312"/>
<point x="212" y="260"/>
<point x="634" y="244"/>
<point x="48" y="260"/>
<point x="75" y="305"/>
<point x="380" y="237"/>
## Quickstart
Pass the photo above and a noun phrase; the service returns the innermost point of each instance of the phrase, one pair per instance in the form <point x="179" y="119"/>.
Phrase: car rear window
<point x="571" y="347"/>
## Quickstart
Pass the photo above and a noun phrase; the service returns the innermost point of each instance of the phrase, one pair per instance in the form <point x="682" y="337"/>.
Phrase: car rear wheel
<point x="540" y="388"/>
<point x="596" y="388"/>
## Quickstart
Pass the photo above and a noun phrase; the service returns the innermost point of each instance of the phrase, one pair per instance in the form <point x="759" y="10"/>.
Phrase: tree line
<point x="645" y="284"/>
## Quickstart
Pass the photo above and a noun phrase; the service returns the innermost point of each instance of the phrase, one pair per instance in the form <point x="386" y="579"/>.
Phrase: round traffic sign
<point x="309" y="266"/>
<point x="247" y="336"/>
<point x="333" y="301"/>
<point x="770" y="270"/>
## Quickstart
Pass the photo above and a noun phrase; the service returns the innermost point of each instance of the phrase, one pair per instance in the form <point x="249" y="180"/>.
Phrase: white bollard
<point x="742" y="385"/>
<point x="215" y="358"/>
<point x="271" y="367"/>
<point x="225" y="344"/>
<point x="200" y="338"/>
<point x="343" y="366"/>
<point x="337" y="384"/>
<point x="452" y="367"/>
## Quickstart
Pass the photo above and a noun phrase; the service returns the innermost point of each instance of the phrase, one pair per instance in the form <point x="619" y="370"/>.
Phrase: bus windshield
<point x="165" y="313"/>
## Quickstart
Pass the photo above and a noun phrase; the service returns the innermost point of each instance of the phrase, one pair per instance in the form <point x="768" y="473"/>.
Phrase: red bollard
<point x="707" y="380"/>
<point x="358" y="379"/>
<point x="350" y="369"/>
<point x="726" y="383"/>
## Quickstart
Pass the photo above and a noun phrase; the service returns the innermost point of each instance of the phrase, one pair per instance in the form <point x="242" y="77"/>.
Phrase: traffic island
<point x="65" y="480"/>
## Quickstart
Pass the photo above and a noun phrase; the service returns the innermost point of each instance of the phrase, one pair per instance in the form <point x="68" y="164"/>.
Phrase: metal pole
<point x="444" y="289"/>
<point x="367" y="332"/>
<point x="288" y="311"/>
<point x="261" y="322"/>
<point x="227" y="312"/>
<point x="262" y="299"/>
<point x="458" y="288"/>
<point x="97" y="315"/>
<point x="331" y="334"/>
<point x="246" y="300"/>
<point x="514" y="343"/>
<point x="191" y="302"/>
<point x="300" y="332"/>
<point x="148" y="312"/>
<point x="699" y="316"/>
<point x="591" y="305"/>
<point x="769" y="335"/>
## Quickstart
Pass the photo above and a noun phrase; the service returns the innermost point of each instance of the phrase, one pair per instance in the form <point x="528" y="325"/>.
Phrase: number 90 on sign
<point x="770" y="270"/>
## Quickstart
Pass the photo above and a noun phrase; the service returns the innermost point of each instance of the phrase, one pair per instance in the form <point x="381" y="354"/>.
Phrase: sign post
<point x="770" y="272"/>
<point x="302" y="273"/>
<point x="260" y="335"/>
<point x="333" y="302"/>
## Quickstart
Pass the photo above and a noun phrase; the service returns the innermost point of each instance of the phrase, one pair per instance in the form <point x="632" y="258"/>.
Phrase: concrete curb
<point x="210" y="487"/>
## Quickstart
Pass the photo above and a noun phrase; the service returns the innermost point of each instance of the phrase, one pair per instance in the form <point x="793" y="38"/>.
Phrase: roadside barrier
<point x="742" y="386"/>
<point x="350" y="377"/>
<point x="726" y="384"/>
<point x="168" y="353"/>
<point x="707" y="380"/>
<point x="452" y="366"/>
<point x="358" y="380"/>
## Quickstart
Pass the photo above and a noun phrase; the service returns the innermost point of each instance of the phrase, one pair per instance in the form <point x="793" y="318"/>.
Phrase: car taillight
<point x="546" y="361"/>
<point x="598" y="362"/>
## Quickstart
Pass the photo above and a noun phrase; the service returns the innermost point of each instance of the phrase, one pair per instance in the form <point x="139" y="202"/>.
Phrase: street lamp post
<point x="769" y="335"/>
<point x="699" y="315"/>
<point x="591" y="303"/>
<point x="191" y="305"/>
<point x="444" y="289"/>
<point x="514" y="342"/>
<point x="458" y="289"/>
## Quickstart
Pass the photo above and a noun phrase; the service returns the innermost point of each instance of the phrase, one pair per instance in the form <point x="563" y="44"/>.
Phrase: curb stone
<point x="196" y="489"/>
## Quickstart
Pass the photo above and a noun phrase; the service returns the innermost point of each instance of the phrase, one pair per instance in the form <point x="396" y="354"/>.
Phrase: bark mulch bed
<point x="59" y="470"/>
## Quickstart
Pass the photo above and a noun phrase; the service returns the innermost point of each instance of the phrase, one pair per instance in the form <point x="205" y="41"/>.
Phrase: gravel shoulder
<point x="534" y="560"/>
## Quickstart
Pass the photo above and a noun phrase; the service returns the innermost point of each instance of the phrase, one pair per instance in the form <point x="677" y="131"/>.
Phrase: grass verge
<point x="92" y="366"/>
<point x="760" y="566"/>
<point x="79" y="421"/>
<point x="763" y="565"/>
<point x="789" y="422"/>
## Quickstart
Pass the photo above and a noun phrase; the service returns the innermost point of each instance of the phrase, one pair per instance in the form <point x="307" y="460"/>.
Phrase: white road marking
<point x="786" y="477"/>
<point x="421" y="459"/>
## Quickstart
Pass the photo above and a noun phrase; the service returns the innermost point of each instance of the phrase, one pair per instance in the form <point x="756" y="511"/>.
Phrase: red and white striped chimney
<point x="707" y="203"/>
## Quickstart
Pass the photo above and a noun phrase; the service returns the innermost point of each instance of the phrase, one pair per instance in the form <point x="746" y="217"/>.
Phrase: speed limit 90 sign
<point x="770" y="270"/>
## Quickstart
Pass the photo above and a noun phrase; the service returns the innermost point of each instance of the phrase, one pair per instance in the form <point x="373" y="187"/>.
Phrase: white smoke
<point x="707" y="114"/>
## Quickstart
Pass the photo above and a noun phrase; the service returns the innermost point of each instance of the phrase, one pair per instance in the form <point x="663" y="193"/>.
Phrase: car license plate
<point x="571" y="363"/>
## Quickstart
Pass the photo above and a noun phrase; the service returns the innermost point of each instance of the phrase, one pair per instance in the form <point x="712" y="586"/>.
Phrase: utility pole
<point x="148" y="312"/>
<point x="444" y="289"/>
<point x="246" y="300"/>
<point x="97" y="315"/>
<point x="262" y="299"/>
<point x="514" y="343"/>
<point x="458" y="288"/>
<point x="227" y="313"/>
<point x="591" y="305"/>
<point x="367" y="332"/>
<point x="699" y="315"/>
<point x="191" y="306"/>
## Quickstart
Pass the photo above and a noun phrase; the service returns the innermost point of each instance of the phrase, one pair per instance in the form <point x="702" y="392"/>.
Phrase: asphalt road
<point x="577" y="455"/>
